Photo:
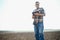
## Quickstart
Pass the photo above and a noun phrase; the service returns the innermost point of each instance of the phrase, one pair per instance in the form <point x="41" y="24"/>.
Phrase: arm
<point x="42" y="13"/>
<point x="33" y="16"/>
<point x="38" y="14"/>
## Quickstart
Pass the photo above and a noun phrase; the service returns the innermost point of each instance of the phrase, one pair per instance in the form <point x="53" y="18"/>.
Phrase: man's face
<point x="37" y="5"/>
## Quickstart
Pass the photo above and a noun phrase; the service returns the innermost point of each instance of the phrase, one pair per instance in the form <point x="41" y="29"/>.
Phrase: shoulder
<point x="41" y="8"/>
<point x="34" y="10"/>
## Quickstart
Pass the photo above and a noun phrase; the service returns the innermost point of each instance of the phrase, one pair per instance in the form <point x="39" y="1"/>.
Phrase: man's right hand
<point x="33" y="17"/>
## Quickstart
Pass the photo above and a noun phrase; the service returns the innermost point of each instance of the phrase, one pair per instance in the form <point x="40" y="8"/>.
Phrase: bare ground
<point x="28" y="36"/>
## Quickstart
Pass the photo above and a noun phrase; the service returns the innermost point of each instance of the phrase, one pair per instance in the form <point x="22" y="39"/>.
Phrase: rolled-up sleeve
<point x="33" y="12"/>
<point x="42" y="11"/>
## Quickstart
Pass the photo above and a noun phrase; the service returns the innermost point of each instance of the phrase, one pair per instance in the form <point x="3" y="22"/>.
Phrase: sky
<point x="16" y="15"/>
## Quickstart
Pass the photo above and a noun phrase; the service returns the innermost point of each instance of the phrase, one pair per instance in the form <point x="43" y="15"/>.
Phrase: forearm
<point x="39" y="14"/>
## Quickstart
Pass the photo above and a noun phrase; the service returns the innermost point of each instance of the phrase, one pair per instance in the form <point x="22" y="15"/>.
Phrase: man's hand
<point x="33" y="17"/>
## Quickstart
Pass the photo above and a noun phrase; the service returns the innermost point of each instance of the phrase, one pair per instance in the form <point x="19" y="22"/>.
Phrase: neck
<point x="38" y="8"/>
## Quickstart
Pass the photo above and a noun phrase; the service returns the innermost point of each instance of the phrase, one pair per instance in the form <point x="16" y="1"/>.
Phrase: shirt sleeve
<point x="33" y="12"/>
<point x="42" y="11"/>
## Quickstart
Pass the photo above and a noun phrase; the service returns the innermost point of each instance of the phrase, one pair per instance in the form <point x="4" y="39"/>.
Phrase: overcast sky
<point x="16" y="15"/>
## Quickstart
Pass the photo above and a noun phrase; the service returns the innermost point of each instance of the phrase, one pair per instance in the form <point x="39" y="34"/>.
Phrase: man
<point x="38" y="14"/>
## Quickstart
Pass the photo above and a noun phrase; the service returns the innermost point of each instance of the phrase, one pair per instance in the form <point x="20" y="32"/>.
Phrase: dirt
<point x="28" y="36"/>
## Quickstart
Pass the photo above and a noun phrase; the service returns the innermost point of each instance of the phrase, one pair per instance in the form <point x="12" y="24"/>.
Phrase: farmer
<point x="37" y="15"/>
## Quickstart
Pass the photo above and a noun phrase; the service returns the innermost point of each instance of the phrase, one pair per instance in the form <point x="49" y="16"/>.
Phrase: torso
<point x="38" y="18"/>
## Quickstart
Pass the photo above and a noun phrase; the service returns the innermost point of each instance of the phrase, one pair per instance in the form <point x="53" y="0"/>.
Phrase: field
<point x="28" y="35"/>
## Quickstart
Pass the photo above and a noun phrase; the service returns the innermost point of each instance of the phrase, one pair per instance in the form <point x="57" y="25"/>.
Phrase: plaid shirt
<point x="38" y="18"/>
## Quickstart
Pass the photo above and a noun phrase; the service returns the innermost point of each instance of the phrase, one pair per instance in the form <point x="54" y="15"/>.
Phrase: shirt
<point x="38" y="18"/>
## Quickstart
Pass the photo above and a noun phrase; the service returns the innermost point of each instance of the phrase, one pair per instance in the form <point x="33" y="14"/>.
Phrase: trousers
<point x="38" y="30"/>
